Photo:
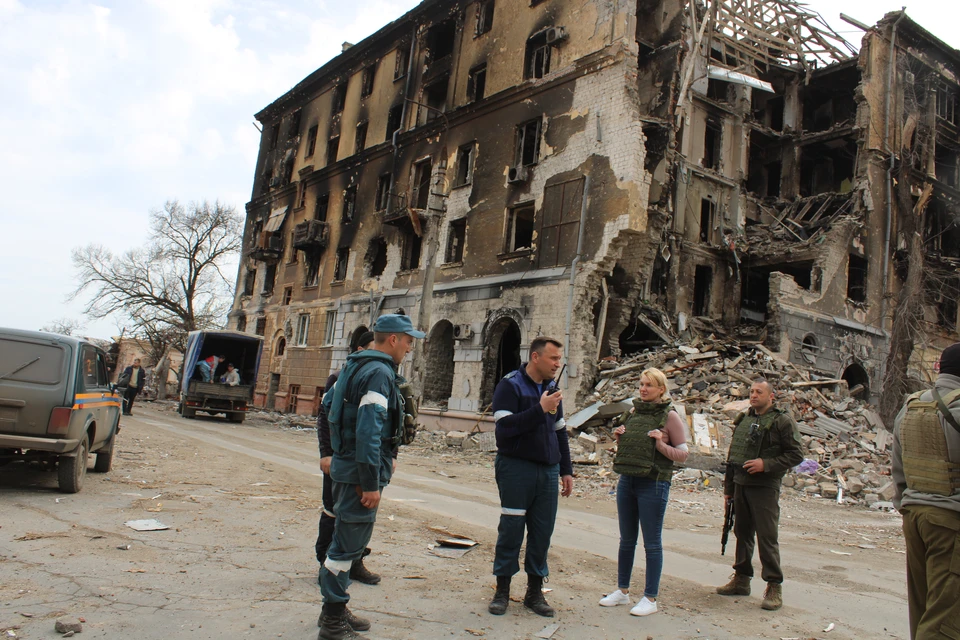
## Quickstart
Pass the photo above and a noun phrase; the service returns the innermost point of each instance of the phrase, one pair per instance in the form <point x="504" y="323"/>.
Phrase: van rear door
<point x="33" y="377"/>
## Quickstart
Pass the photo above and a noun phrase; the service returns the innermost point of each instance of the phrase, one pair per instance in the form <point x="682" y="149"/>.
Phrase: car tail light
<point x="242" y="406"/>
<point x="59" y="421"/>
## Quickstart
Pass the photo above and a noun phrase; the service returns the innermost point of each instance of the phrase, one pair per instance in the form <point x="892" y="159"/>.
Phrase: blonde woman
<point x="651" y="438"/>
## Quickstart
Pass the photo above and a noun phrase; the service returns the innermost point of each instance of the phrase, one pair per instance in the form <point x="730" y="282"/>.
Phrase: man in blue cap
<point x="365" y="414"/>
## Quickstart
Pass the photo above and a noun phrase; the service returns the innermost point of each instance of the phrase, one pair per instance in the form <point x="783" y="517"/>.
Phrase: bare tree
<point x="173" y="284"/>
<point x="64" y="326"/>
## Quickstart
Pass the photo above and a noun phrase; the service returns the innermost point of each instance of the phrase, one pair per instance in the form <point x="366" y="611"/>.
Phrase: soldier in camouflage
<point x="766" y="443"/>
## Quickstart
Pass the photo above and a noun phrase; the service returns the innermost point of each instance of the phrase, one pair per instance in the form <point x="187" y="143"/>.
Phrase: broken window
<point x="456" y="237"/>
<point x="411" y="245"/>
<point x="376" y="258"/>
<point x="947" y="164"/>
<point x="360" y="142"/>
<point x="261" y="328"/>
<point x="702" y="281"/>
<point x="421" y="184"/>
<point x="947" y="305"/>
<point x="287" y="295"/>
<point x="241" y="323"/>
<point x="303" y="328"/>
<point x="464" y="164"/>
<point x="765" y="165"/>
<point x="947" y="104"/>
<point x="435" y="97"/>
<point x="330" y="327"/>
<point x="719" y="90"/>
<point x="528" y="144"/>
<point x="311" y="141"/>
<point x="269" y="278"/>
<point x="301" y="195"/>
<point x="274" y="135"/>
<point x="712" y="144"/>
<point x="340" y="267"/>
<point x="293" y="256"/>
<point x="809" y="348"/>
<point x="320" y="210"/>
<point x="366" y="80"/>
<point x="537" y="58"/>
<point x="857" y="279"/>
<point x="394" y="116"/>
<point x="312" y="275"/>
<point x="383" y="192"/>
<point x="402" y="61"/>
<point x="477" y="83"/>
<point x="518" y="234"/>
<point x="767" y="109"/>
<point x="249" y="281"/>
<point x="828" y="167"/>
<point x="484" y="17"/>
<point x="349" y="203"/>
<point x="440" y="39"/>
<point x="708" y="220"/>
<point x="339" y="98"/>
<point x="333" y="147"/>
<point x="294" y="129"/>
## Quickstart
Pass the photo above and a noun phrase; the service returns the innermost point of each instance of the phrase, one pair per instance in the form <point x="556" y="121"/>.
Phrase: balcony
<point x="401" y="216"/>
<point x="311" y="235"/>
<point x="268" y="248"/>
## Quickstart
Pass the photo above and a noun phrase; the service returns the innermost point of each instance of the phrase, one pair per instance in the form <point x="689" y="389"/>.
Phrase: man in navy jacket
<point x="133" y="378"/>
<point x="533" y="458"/>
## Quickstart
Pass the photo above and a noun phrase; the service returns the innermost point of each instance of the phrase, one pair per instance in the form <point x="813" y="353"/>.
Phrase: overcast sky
<point x="109" y="109"/>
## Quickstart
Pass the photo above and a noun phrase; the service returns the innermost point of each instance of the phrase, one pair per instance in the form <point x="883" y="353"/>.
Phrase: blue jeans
<point x="204" y="369"/>
<point x="529" y="493"/>
<point x="641" y="504"/>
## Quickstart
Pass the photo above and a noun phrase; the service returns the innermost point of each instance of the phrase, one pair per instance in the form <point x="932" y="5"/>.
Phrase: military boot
<point x="739" y="585"/>
<point x="773" y="597"/>
<point x="534" y="599"/>
<point x="360" y="573"/>
<point x="333" y="623"/>
<point x="498" y="606"/>
<point x="356" y="622"/>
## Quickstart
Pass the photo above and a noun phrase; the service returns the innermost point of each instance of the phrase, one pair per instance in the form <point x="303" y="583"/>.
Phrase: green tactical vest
<point x="926" y="464"/>
<point x="637" y="453"/>
<point x="748" y="440"/>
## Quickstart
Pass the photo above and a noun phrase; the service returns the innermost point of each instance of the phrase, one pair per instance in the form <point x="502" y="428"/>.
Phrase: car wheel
<point x="71" y="471"/>
<point x="104" y="461"/>
<point x="237" y="416"/>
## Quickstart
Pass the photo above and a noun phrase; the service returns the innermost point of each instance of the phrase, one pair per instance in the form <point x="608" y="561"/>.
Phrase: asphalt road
<point x="238" y="562"/>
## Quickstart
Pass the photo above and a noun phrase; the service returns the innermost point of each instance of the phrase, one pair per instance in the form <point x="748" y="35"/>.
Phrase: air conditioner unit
<point x="462" y="332"/>
<point x="556" y="35"/>
<point x="518" y="175"/>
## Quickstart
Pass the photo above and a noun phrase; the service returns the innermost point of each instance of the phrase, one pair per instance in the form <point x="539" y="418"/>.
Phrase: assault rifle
<point x="728" y="519"/>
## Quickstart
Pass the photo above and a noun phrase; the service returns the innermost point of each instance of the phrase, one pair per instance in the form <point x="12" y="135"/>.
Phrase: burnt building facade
<point x="608" y="173"/>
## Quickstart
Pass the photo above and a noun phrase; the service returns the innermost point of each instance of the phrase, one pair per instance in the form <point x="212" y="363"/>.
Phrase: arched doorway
<point x="856" y="376"/>
<point x="355" y="337"/>
<point x="438" y="385"/>
<point x="501" y="355"/>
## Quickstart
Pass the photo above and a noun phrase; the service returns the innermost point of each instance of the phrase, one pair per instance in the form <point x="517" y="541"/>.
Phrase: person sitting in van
<point x="208" y="367"/>
<point x="232" y="377"/>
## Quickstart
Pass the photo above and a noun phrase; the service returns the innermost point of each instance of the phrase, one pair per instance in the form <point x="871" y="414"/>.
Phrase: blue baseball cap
<point x="396" y="323"/>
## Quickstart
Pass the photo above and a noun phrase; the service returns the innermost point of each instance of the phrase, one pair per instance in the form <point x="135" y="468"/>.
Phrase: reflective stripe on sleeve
<point x="501" y="414"/>
<point x="336" y="566"/>
<point x="513" y="512"/>
<point x="561" y="423"/>
<point x="372" y="397"/>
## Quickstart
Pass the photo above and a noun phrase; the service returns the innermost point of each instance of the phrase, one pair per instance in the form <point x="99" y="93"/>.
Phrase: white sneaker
<point x="644" y="607"/>
<point x="615" y="598"/>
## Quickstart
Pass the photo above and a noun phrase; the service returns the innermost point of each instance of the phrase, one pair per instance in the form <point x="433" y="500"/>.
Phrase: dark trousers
<point x="758" y="514"/>
<point x="352" y="532"/>
<point x="529" y="492"/>
<point x="641" y="505"/>
<point x="128" y="397"/>
<point x="327" y="520"/>
<point x="932" y="537"/>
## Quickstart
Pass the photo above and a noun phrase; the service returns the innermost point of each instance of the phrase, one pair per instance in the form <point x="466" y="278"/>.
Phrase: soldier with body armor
<point x="926" y="472"/>
<point x="766" y="443"/>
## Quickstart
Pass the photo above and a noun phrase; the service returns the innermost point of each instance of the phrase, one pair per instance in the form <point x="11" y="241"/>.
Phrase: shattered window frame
<point x="294" y="129"/>
<point x="537" y="56"/>
<point x="349" y="203"/>
<point x="311" y="147"/>
<point x="250" y="282"/>
<point x="456" y="240"/>
<point x="311" y="276"/>
<point x="422" y="173"/>
<point x="367" y="80"/>
<point x="360" y="139"/>
<point x="303" y="329"/>
<point x="340" y="264"/>
<point x="287" y="296"/>
<point x="241" y="323"/>
<point x="477" y="83"/>
<point x="484" y="24"/>
<point x="527" y="150"/>
<point x="383" y="192"/>
<point x="339" y="99"/>
<point x="466" y="159"/>
<point x="402" y="61"/>
<point x="329" y="328"/>
<point x="322" y="207"/>
<point x="394" y="120"/>
<point x="333" y="149"/>
<point x="525" y="212"/>
<point x="411" y="251"/>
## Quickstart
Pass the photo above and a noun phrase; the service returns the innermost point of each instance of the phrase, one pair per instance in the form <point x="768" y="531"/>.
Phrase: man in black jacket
<point x="133" y="378"/>
<point x="533" y="459"/>
<point x="358" y="571"/>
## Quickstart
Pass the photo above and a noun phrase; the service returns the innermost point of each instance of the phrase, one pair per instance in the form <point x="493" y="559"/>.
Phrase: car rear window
<point x="30" y="362"/>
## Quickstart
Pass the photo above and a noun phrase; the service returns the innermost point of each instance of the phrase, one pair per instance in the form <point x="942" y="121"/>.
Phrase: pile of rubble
<point x="846" y="446"/>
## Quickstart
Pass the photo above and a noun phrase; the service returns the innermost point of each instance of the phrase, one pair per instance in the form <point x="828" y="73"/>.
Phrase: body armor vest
<point x="748" y="438"/>
<point x="637" y="453"/>
<point x="926" y="464"/>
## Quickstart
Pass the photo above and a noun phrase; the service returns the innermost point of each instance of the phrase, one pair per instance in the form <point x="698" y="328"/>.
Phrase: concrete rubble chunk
<point x="68" y="625"/>
<point x="887" y="491"/>
<point x="456" y="438"/>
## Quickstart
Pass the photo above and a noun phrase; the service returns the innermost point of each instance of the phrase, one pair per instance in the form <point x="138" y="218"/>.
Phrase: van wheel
<point x="71" y="471"/>
<point x="236" y="417"/>
<point x="104" y="461"/>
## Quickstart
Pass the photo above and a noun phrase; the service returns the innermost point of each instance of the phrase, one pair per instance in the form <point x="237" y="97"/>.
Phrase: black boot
<point x="360" y="573"/>
<point x="498" y="606"/>
<point x="534" y="599"/>
<point x="333" y="623"/>
<point x="356" y="622"/>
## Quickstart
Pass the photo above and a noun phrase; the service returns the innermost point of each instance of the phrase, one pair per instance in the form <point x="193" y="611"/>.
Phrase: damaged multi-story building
<point x="610" y="173"/>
